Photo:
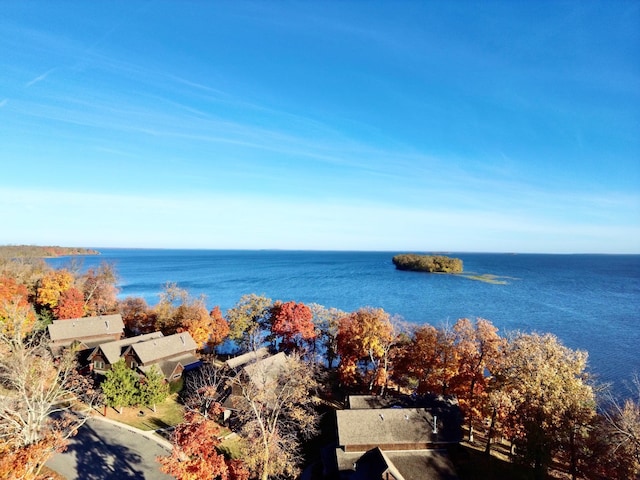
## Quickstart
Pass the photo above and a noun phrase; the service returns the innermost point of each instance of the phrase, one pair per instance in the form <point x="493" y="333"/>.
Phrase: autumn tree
<point x="52" y="286"/>
<point x="219" y="328"/>
<point x="326" y="321"/>
<point x="547" y="387"/>
<point x="291" y="323"/>
<point x="137" y="316"/>
<point x="178" y="312"/>
<point x="203" y="388"/>
<point x="365" y="336"/>
<point x="275" y="408"/>
<point x="27" y="271"/>
<point x="417" y="360"/>
<point x="35" y="406"/>
<point x="617" y="436"/>
<point x="99" y="290"/>
<point x="247" y="320"/>
<point x="195" y="454"/>
<point x="478" y="349"/>
<point x="120" y="386"/>
<point x="17" y="317"/>
<point x="70" y="304"/>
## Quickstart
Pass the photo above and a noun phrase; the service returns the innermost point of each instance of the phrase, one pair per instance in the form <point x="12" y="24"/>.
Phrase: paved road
<point x="104" y="451"/>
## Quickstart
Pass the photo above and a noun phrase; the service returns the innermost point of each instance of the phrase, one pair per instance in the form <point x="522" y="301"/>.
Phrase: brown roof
<point x="266" y="370"/>
<point x="164" y="347"/>
<point x="78" y="328"/>
<point x="408" y="465"/>
<point x="113" y="350"/>
<point x="167" y="367"/>
<point x="385" y="426"/>
<point x="245" y="358"/>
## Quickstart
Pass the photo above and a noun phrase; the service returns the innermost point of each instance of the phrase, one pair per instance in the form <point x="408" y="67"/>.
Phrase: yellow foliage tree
<point x="52" y="285"/>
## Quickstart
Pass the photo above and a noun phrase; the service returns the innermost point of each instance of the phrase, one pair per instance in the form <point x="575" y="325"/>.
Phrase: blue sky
<point x="457" y="126"/>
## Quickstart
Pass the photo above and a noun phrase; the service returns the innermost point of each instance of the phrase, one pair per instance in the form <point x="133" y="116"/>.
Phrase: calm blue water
<point x="591" y="302"/>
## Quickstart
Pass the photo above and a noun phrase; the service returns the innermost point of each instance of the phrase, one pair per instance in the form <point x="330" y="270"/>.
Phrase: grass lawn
<point x="167" y="414"/>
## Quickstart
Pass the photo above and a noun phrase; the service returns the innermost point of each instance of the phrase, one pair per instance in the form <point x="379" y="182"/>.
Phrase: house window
<point x="134" y="364"/>
<point x="98" y="365"/>
<point x="176" y="376"/>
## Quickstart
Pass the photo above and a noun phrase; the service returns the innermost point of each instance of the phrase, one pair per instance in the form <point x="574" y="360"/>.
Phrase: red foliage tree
<point x="219" y="328"/>
<point x="293" y="323"/>
<point x="70" y="304"/>
<point x="195" y="455"/>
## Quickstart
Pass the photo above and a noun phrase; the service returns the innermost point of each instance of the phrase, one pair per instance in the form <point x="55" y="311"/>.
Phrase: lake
<point x="591" y="302"/>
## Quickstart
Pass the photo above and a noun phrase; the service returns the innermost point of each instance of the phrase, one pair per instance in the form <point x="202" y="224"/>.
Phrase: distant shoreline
<point x="25" y="251"/>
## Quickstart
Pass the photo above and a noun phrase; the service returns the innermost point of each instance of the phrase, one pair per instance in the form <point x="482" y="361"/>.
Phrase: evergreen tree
<point x="153" y="388"/>
<point x="120" y="386"/>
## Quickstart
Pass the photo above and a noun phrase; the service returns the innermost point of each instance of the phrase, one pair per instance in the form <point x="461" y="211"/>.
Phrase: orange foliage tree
<point x="195" y="452"/>
<point x="292" y="323"/>
<point x="17" y="317"/>
<point x="70" y="304"/>
<point x="138" y="318"/>
<point x="365" y="336"/>
<point x="478" y="349"/>
<point x="219" y="328"/>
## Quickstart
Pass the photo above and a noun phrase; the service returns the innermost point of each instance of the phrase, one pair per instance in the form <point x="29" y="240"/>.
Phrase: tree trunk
<point x="573" y="461"/>
<point x="265" y="465"/>
<point x="487" y="449"/>
<point x="473" y="385"/>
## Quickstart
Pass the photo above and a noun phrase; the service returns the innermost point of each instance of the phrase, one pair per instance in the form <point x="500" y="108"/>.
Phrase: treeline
<point x="525" y="387"/>
<point x="26" y="251"/>
<point x="427" y="263"/>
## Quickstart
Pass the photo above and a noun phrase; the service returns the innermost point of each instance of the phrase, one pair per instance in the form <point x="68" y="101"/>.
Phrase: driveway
<point x="104" y="451"/>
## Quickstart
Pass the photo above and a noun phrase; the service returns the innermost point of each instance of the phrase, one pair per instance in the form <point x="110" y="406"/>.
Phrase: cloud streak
<point x="39" y="78"/>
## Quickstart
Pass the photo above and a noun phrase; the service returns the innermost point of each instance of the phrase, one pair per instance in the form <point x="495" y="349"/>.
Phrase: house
<point x="265" y="371"/>
<point x="236" y="363"/>
<point x="257" y="368"/>
<point x="387" y="438"/>
<point x="87" y="332"/>
<point x="172" y="355"/>
<point x="106" y="354"/>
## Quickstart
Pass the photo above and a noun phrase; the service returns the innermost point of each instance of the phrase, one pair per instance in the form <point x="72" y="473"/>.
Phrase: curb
<point x="150" y="434"/>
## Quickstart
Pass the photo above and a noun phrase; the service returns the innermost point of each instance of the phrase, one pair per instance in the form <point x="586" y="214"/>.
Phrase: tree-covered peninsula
<point x="427" y="263"/>
<point x="21" y="251"/>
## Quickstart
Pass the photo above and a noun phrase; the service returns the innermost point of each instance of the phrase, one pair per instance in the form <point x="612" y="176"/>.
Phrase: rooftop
<point x="78" y="328"/>
<point x="164" y="347"/>
<point x="113" y="350"/>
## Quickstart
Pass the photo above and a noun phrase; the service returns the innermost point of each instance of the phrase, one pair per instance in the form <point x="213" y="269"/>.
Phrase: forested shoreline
<point x="52" y="251"/>
<point x="525" y="387"/>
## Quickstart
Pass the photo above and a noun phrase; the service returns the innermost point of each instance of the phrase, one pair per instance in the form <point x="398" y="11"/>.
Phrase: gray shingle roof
<point x="266" y="370"/>
<point x="78" y="328"/>
<point x="385" y="426"/>
<point x="114" y="350"/>
<point x="165" y="347"/>
<point x="167" y="367"/>
<point x="245" y="358"/>
<point x="410" y="465"/>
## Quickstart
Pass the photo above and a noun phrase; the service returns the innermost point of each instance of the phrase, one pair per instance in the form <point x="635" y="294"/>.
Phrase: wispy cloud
<point x="39" y="78"/>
